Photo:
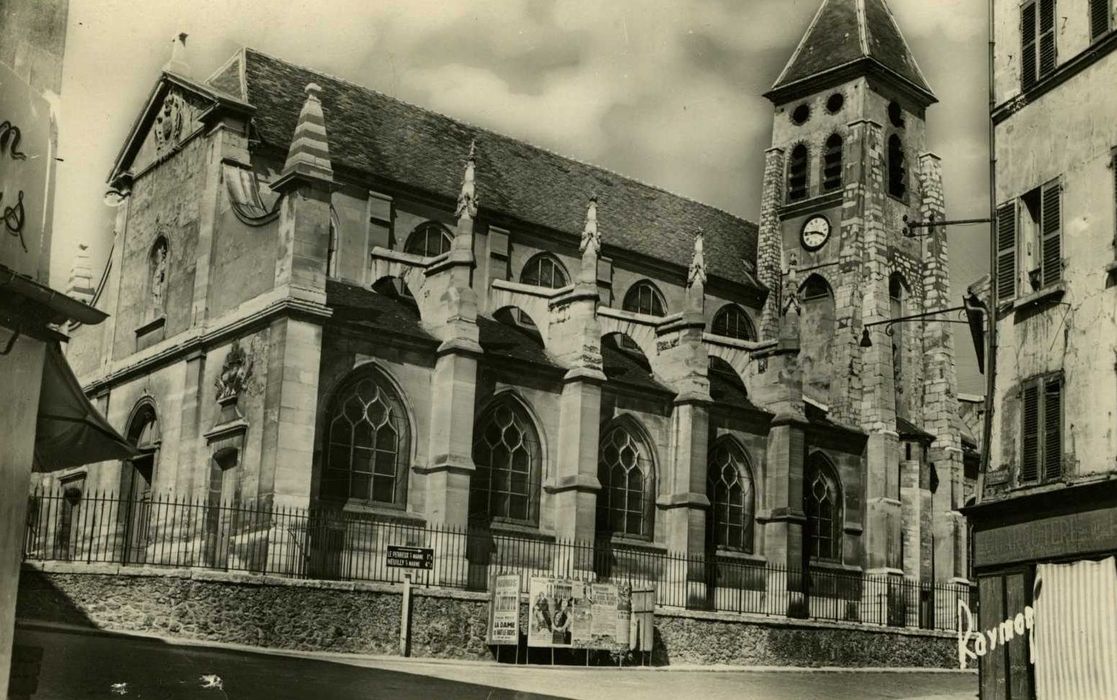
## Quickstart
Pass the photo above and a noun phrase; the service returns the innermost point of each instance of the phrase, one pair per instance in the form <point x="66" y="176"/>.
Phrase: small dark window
<point x="428" y="239"/>
<point x="644" y="298"/>
<point x="797" y="174"/>
<point x="1042" y="458"/>
<point x="897" y="168"/>
<point x="835" y="102"/>
<point x="731" y="321"/>
<point x="544" y="270"/>
<point x="801" y="114"/>
<point x="896" y="115"/>
<point x="832" y="164"/>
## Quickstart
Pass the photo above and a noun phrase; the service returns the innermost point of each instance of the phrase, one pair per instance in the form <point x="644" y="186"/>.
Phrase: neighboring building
<point x="1044" y="524"/>
<point x="325" y="297"/>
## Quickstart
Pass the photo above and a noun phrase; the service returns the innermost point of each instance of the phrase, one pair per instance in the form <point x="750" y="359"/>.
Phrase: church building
<point x="322" y="297"/>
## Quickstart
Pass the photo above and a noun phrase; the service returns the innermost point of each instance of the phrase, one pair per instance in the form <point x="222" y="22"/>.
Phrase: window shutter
<point x="1099" y="18"/>
<point x="1028" y="45"/>
<point x="1029" y="468"/>
<point x="1006" y="251"/>
<point x="1051" y="226"/>
<point x="1046" y="36"/>
<point x="1052" y="429"/>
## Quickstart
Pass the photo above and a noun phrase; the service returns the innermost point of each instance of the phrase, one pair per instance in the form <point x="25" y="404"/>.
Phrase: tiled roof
<point x="359" y="305"/>
<point x="846" y="31"/>
<point x="907" y="429"/>
<point x="376" y="134"/>
<point x="509" y="342"/>
<point x="622" y="367"/>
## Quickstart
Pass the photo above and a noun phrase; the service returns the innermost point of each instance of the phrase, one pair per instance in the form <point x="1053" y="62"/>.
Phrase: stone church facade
<point x="324" y="297"/>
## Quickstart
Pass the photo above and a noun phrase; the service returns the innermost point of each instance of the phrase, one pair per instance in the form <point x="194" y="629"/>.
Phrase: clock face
<point x="815" y="233"/>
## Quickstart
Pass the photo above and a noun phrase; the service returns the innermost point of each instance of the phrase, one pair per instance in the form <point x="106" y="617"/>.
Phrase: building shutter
<point x="1029" y="468"/>
<point x="1028" y="45"/>
<point x="1006" y="251"/>
<point x="1051" y="226"/>
<point x="1053" y="430"/>
<point x="1046" y="36"/>
<point x="1099" y="18"/>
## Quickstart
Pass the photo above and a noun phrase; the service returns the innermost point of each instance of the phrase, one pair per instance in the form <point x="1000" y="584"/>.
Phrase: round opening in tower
<point x="801" y="114"/>
<point x="896" y="114"/>
<point x="834" y="103"/>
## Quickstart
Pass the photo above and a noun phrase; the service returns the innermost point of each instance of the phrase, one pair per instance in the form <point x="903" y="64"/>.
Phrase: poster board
<point x="572" y="614"/>
<point x="642" y="626"/>
<point x="504" y="610"/>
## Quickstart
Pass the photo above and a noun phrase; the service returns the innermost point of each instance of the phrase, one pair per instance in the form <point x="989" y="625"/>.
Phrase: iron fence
<point x="323" y="542"/>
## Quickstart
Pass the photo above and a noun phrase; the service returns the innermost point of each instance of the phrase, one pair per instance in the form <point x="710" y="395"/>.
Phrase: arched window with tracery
<point x="644" y="298"/>
<point x="545" y="270"/>
<point x="508" y="461"/>
<point x="428" y="240"/>
<point x="368" y="443"/>
<point x="822" y="502"/>
<point x="797" y="173"/>
<point x="731" y="321"/>
<point x="626" y="470"/>
<point x="832" y="164"/>
<point x="732" y="496"/>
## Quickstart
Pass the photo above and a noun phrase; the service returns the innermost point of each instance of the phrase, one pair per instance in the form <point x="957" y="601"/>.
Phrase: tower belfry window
<point x="897" y="168"/>
<point x="832" y="164"/>
<point x="797" y="174"/>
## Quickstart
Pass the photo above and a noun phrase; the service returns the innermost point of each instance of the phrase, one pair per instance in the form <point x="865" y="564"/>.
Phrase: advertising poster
<point x="504" y="610"/>
<point x="551" y="611"/>
<point x="565" y="613"/>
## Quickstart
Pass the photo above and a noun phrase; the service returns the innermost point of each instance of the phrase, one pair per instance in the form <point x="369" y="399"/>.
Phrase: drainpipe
<point x="991" y="363"/>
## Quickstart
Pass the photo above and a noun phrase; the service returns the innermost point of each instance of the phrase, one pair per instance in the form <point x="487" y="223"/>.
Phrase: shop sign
<point x="973" y="642"/>
<point x="26" y="166"/>
<point x="1046" y="538"/>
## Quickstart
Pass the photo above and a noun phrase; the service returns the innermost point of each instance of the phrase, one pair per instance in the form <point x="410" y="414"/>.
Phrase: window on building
<point x="544" y="270"/>
<point x="801" y="114"/>
<point x="136" y="478"/>
<point x="897" y="168"/>
<point x="644" y="298"/>
<point x="1037" y="38"/>
<point x="429" y="239"/>
<point x="1099" y="18"/>
<point x="832" y="164"/>
<point x="822" y="502"/>
<point x="732" y="499"/>
<point x="816" y="322"/>
<point x="834" y="103"/>
<point x="507" y="456"/>
<point x="368" y="443"/>
<point x="1042" y="433"/>
<point x="797" y="173"/>
<point x="627" y="475"/>
<point x="1040" y="235"/>
<point x="731" y="321"/>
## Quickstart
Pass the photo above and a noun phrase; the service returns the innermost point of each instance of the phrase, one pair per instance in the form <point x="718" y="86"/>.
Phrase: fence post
<point x="405" y="618"/>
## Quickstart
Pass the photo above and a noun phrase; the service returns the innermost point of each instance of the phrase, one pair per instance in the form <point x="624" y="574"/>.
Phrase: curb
<point x="366" y="659"/>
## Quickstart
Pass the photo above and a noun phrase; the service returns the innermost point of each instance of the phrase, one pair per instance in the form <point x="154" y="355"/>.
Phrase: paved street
<point x="77" y="665"/>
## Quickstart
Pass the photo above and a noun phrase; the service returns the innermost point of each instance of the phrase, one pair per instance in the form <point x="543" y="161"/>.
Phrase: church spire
<point x="309" y="154"/>
<point x="845" y="39"/>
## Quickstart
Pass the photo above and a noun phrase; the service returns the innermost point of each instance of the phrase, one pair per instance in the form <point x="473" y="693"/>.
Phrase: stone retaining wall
<point x="363" y="618"/>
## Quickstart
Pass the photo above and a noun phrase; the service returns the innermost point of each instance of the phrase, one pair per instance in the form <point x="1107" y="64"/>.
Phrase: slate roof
<point x="844" y="32"/>
<point x="622" y="367"/>
<point x="354" y="304"/>
<point x="503" y="340"/>
<point x="907" y="429"/>
<point x="376" y="134"/>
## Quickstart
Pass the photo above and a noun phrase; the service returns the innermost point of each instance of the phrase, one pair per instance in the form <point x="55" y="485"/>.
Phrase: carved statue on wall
<point x="234" y="373"/>
<point x="159" y="274"/>
<point x="698" y="262"/>
<point x="168" y="125"/>
<point x="467" y="198"/>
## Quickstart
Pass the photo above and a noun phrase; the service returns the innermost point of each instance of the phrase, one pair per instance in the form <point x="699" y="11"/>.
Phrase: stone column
<point x="769" y="252"/>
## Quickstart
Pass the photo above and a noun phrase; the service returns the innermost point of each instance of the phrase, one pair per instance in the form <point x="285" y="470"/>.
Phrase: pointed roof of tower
<point x="308" y="156"/>
<point x="848" y="37"/>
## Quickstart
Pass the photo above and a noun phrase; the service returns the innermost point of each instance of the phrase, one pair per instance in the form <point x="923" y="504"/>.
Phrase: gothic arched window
<point x="732" y="497"/>
<point x="544" y="270"/>
<point x="644" y="298"/>
<point x="428" y="239"/>
<point x="627" y="474"/>
<point x="822" y="502"/>
<point x="368" y="443"/>
<point x="832" y="164"/>
<point x="797" y="173"/>
<point x="508" y="458"/>
<point x="897" y="168"/>
<point x="731" y="321"/>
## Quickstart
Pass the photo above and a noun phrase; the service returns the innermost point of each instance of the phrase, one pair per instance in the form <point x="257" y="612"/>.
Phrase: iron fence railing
<point x="323" y="542"/>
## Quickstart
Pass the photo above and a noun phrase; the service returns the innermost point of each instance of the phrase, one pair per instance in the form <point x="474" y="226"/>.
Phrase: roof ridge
<point x="500" y="135"/>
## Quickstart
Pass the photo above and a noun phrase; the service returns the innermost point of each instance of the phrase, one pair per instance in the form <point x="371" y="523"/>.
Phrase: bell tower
<point x="847" y="166"/>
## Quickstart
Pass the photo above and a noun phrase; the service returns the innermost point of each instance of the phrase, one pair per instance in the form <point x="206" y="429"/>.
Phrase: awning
<point x="70" y="431"/>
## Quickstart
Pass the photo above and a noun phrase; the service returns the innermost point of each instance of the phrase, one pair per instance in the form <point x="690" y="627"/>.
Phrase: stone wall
<point x="363" y="618"/>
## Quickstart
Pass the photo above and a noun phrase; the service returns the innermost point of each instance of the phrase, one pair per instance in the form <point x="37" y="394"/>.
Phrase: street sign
<point x="410" y="557"/>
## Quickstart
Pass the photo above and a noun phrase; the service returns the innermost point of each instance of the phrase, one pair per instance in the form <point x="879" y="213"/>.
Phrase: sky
<point x="668" y="92"/>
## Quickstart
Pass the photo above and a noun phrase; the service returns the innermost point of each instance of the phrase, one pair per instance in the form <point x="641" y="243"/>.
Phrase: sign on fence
<point x="410" y="557"/>
<point x="571" y="614"/>
<point x="504" y="610"/>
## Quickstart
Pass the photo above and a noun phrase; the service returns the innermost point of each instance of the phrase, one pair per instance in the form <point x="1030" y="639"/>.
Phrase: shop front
<point x="1046" y="620"/>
